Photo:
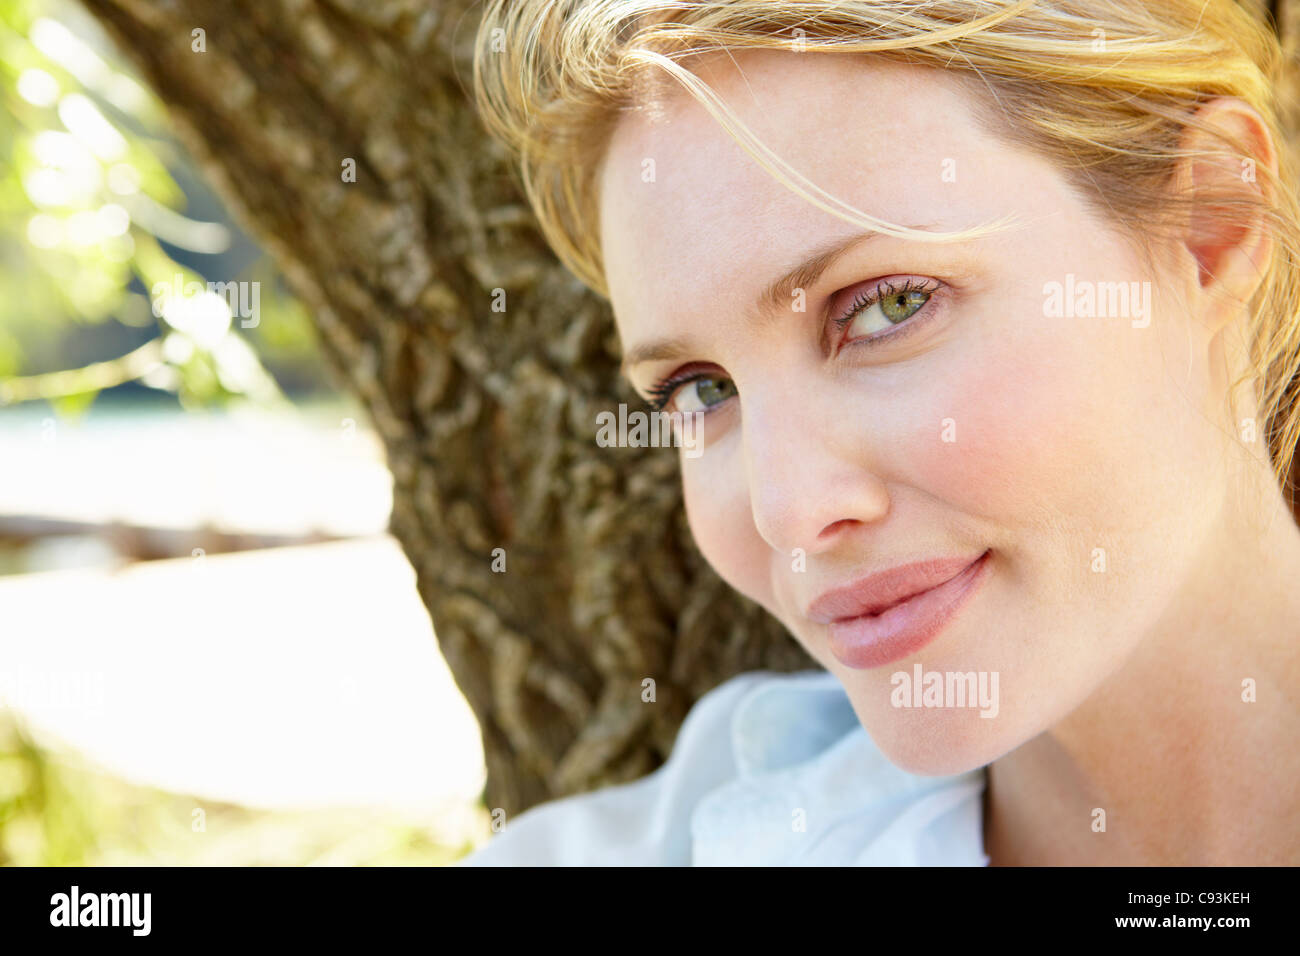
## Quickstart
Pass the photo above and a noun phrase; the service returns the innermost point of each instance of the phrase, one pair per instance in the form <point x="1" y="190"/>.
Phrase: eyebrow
<point x="774" y="297"/>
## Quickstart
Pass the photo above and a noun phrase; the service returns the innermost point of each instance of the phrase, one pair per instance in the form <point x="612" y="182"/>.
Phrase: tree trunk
<point x="488" y="416"/>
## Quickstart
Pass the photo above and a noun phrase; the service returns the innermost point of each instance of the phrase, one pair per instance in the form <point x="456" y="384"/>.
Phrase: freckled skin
<point x="1071" y="434"/>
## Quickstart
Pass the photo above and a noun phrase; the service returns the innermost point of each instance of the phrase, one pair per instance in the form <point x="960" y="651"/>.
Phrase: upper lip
<point x="881" y="591"/>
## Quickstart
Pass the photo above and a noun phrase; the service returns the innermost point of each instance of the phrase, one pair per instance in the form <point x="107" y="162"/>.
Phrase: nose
<point x="811" y="477"/>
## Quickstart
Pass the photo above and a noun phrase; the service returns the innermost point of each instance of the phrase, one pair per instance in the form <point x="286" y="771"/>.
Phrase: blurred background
<point x="211" y="651"/>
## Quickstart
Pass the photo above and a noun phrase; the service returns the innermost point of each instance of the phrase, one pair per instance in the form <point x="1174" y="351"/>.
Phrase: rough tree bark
<point x="488" y="417"/>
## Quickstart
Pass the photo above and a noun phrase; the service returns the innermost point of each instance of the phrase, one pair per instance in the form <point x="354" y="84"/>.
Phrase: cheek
<point x="1039" y="424"/>
<point x="1072" y="447"/>
<point x="721" y="519"/>
<point x="1001" y="448"/>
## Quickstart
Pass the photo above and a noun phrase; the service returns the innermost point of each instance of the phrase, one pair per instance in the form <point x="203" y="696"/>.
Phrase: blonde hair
<point x="1103" y="88"/>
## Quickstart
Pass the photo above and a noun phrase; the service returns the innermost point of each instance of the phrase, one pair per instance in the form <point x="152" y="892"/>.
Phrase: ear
<point x="1231" y="247"/>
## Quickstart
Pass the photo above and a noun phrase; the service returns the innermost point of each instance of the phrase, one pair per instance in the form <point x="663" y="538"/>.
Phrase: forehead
<point x="689" y="220"/>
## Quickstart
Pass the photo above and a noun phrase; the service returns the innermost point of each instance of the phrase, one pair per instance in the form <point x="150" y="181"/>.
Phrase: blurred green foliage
<point x="99" y="284"/>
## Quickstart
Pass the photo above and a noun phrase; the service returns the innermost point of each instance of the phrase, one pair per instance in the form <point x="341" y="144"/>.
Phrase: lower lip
<point x="902" y="630"/>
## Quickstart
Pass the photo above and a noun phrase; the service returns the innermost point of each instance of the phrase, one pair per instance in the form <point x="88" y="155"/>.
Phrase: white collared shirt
<point x="768" y="770"/>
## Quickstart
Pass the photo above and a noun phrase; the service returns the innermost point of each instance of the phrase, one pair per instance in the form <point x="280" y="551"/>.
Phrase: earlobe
<point x="1227" y="231"/>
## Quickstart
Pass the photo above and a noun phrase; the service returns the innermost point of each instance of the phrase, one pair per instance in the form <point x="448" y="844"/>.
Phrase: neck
<point x="1186" y="755"/>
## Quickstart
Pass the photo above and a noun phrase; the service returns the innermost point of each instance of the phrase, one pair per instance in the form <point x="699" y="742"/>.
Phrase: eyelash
<point x="876" y="294"/>
<point x="661" y="393"/>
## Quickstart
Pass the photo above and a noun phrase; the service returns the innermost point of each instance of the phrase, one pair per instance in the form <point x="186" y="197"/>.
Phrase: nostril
<point x="834" y="528"/>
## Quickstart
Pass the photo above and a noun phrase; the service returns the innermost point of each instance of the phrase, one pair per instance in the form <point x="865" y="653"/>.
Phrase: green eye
<point x="704" y="392"/>
<point x="880" y="309"/>
<point x="903" y="305"/>
<point x="692" y="392"/>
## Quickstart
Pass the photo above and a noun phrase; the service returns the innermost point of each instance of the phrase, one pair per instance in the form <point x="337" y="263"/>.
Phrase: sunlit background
<point x="211" y="651"/>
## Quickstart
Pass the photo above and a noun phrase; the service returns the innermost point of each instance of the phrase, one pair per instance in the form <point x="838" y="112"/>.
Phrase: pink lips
<point x="893" y="614"/>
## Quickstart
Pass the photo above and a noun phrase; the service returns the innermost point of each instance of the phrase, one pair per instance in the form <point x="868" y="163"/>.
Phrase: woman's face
<point x="960" y="416"/>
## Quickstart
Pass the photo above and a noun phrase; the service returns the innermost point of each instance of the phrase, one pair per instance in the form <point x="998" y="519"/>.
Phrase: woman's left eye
<point x="884" y="306"/>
